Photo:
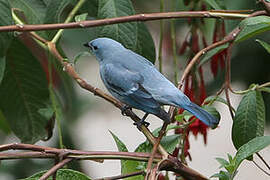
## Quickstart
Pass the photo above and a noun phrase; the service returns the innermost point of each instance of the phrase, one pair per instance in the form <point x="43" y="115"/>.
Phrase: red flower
<point x="197" y="127"/>
<point x="219" y="58"/>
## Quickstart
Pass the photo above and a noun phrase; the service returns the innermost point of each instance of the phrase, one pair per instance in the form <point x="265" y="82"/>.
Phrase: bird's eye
<point x="95" y="47"/>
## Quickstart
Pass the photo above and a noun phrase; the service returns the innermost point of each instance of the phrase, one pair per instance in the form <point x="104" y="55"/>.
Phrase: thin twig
<point x="122" y="176"/>
<point x="262" y="159"/>
<point x="123" y="19"/>
<point x="257" y="165"/>
<point x="230" y="37"/>
<point x="228" y="78"/>
<point x="174" y="165"/>
<point x="55" y="168"/>
<point x="155" y="147"/>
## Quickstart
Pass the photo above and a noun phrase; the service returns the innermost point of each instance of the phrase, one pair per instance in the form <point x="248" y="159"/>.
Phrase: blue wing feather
<point x="126" y="86"/>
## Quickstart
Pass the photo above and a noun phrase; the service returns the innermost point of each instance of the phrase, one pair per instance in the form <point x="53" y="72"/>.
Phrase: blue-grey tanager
<point x="135" y="81"/>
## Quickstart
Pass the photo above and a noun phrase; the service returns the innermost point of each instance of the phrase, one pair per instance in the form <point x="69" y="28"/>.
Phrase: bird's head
<point x="103" y="48"/>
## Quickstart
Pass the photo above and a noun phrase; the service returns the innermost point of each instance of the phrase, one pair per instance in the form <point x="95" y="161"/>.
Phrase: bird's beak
<point x="86" y="45"/>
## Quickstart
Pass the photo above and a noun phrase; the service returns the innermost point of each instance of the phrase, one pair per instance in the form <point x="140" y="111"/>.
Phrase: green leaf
<point x="54" y="13"/>
<point x="211" y="99"/>
<point x="169" y="127"/>
<point x="145" y="45"/>
<point x="265" y="89"/>
<point x="249" y="119"/>
<point x="120" y="145"/>
<point x="34" y="10"/>
<point x="212" y="110"/>
<point x="132" y="35"/>
<point x="168" y="142"/>
<point x="4" y="126"/>
<point x="81" y="17"/>
<point x="5" y="37"/>
<point x="46" y="112"/>
<point x="222" y="175"/>
<point x="253" y="146"/>
<point x="253" y="26"/>
<point x="30" y="12"/>
<point x="213" y="4"/>
<point x="230" y="158"/>
<point x="91" y="7"/>
<point x="206" y="57"/>
<point x="62" y="174"/>
<point x="265" y="45"/>
<point x="24" y="90"/>
<point x="2" y="67"/>
<point x="222" y="162"/>
<point x="127" y="166"/>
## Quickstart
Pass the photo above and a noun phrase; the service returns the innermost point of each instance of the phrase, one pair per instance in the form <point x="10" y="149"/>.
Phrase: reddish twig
<point x="228" y="78"/>
<point x="123" y="19"/>
<point x="155" y="147"/>
<point x="55" y="168"/>
<point x="48" y="152"/>
<point x="266" y="5"/>
<point x="173" y="164"/>
<point x="229" y="38"/>
<point x="122" y="176"/>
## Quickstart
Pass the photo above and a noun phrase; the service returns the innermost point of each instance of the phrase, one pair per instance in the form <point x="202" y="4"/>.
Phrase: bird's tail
<point x="201" y="114"/>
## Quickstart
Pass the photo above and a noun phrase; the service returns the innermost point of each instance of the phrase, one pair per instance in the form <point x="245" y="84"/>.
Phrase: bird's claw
<point x="139" y="124"/>
<point x="124" y="109"/>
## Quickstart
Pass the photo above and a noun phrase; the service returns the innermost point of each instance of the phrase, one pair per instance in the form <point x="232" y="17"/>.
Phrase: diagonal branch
<point x="154" y="150"/>
<point x="55" y="168"/>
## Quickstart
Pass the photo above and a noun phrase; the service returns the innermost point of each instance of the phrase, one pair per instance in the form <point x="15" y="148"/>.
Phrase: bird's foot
<point x="124" y="109"/>
<point x="141" y="123"/>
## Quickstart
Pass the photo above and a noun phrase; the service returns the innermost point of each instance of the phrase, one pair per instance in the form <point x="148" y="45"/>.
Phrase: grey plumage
<point x="135" y="81"/>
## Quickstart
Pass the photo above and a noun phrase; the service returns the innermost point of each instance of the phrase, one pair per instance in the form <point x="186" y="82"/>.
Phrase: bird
<point x="134" y="81"/>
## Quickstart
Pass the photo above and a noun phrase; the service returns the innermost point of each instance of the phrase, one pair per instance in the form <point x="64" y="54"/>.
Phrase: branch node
<point x="82" y="25"/>
<point x="142" y="17"/>
<point x="80" y="81"/>
<point x="95" y="91"/>
<point x="21" y="26"/>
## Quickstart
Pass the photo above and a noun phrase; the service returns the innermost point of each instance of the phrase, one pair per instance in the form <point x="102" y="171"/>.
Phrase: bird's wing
<point x="127" y="83"/>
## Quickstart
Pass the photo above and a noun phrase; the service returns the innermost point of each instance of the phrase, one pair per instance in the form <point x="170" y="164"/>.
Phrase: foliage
<point x="36" y="92"/>
<point x="62" y="174"/>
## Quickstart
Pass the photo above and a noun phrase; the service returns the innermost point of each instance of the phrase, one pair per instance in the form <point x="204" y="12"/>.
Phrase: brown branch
<point x="122" y="176"/>
<point x="123" y="19"/>
<point x="155" y="147"/>
<point x="55" y="168"/>
<point x="170" y="164"/>
<point x="174" y="165"/>
<point x="266" y="5"/>
<point x="228" y="78"/>
<point x="48" y="152"/>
